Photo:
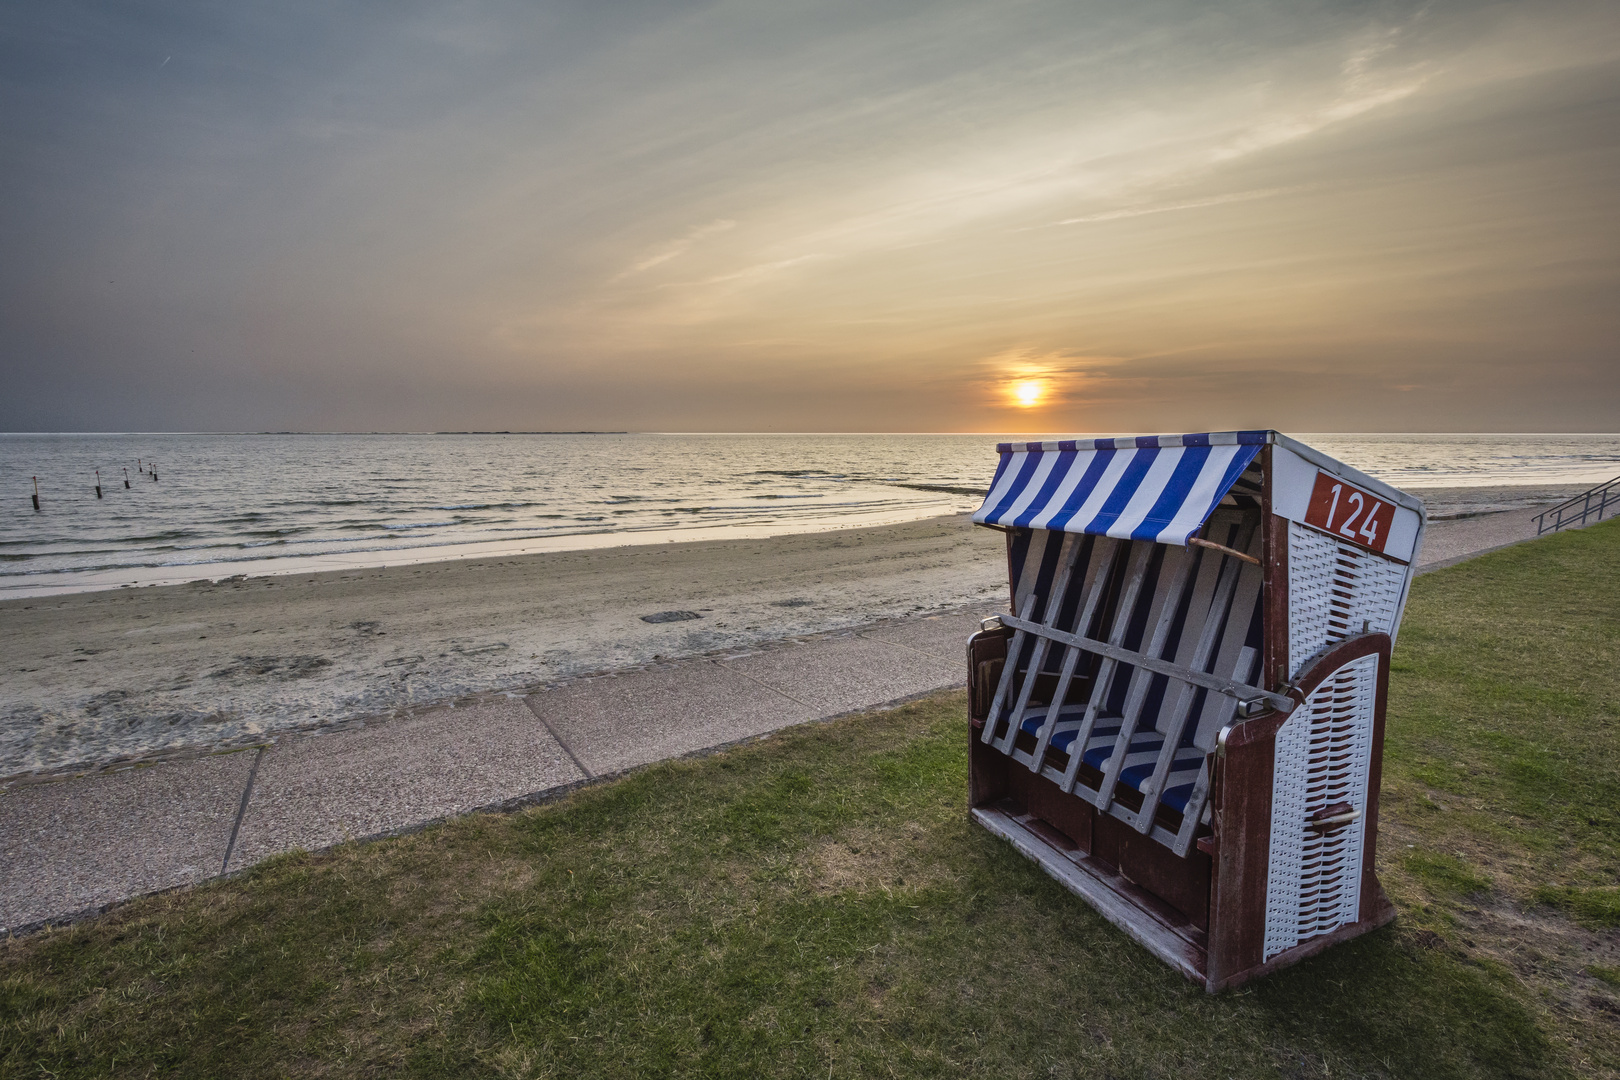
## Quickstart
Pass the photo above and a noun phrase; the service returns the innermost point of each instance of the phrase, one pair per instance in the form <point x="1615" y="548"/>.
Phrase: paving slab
<point x="620" y="721"/>
<point x="837" y="675"/>
<point x="315" y="791"/>
<point x="77" y="845"/>
<point x="942" y="636"/>
<point x="1452" y="540"/>
<point x="1449" y="542"/>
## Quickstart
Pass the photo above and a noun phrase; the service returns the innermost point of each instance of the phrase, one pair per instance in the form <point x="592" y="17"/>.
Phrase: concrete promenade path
<point x="72" y="848"/>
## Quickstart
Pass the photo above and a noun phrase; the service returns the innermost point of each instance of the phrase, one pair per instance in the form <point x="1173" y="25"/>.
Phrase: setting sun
<point x="1028" y="392"/>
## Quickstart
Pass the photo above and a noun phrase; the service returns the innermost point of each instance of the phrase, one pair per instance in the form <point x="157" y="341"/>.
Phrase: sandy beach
<point x="98" y="678"/>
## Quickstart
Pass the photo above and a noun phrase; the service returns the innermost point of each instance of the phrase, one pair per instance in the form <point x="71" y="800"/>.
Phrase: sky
<point x="1168" y="216"/>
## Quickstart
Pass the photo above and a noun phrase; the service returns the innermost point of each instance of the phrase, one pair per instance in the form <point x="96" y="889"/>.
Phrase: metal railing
<point x="1604" y="497"/>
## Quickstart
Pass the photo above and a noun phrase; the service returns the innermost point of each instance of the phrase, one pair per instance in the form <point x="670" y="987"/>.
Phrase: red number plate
<point x="1350" y="513"/>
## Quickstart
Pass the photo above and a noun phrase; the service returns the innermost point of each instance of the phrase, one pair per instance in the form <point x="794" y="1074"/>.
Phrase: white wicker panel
<point x="1324" y="756"/>
<point x="1333" y="589"/>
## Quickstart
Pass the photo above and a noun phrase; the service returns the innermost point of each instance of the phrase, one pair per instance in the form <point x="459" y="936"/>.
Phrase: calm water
<point x="227" y="504"/>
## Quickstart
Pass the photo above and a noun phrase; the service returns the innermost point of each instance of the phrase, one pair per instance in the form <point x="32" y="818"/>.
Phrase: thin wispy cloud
<point x="1166" y="208"/>
<point x="676" y="248"/>
<point x="748" y="273"/>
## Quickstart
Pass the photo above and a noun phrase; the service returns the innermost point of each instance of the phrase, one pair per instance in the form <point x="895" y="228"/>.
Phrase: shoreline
<point x="72" y="582"/>
<point x="1448" y="503"/>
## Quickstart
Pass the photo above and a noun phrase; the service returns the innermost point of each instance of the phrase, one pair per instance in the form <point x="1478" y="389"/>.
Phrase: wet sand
<point x="96" y="678"/>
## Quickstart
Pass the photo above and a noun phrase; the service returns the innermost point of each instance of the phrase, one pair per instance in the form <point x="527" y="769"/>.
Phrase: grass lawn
<point x="818" y="904"/>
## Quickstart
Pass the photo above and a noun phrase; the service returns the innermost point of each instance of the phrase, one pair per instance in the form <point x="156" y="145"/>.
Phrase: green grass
<point x="1445" y="875"/>
<point x="818" y="904"/>
<point x="1501" y="797"/>
<point x="1595" y="907"/>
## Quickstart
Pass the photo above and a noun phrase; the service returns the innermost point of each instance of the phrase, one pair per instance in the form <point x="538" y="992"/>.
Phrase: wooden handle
<point x="1223" y="549"/>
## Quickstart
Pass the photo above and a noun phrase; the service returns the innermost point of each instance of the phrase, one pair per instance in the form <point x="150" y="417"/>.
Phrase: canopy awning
<point x="1155" y="487"/>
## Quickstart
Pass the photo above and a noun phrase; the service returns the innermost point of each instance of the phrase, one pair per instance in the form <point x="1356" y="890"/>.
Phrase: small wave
<point x="63" y="553"/>
<point x="173" y="534"/>
<point x="486" y="506"/>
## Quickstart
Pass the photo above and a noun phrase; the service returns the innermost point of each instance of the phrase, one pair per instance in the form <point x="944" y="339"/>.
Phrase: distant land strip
<point x="531" y="433"/>
<point x="434" y="433"/>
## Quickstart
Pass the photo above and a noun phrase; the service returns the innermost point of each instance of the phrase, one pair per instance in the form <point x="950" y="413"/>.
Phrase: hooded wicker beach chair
<point x="1181" y="716"/>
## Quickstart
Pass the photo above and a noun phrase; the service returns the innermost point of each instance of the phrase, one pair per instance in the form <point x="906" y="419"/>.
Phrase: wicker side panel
<point x="1336" y="591"/>
<point x="1323" y="760"/>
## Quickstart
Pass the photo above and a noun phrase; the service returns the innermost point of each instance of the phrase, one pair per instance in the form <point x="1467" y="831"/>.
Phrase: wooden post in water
<point x="153" y="471"/>
<point x="126" y="476"/>
<point x="98" y="483"/>
<point x="36" y="494"/>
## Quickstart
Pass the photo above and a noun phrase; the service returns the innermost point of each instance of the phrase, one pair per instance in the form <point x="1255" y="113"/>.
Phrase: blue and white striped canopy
<point x="1154" y="487"/>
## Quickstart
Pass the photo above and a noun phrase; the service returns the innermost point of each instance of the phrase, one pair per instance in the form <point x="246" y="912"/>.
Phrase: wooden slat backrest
<point x="1218" y="708"/>
<point x="1015" y="649"/>
<point x="1124" y="609"/>
<point x="1181" y="841"/>
<point x="1161" y="617"/>
<point x="1026" y="601"/>
<point x="1095" y="586"/>
<point x="1206" y="634"/>
<point x="1201" y="600"/>
<point x="1203" y="592"/>
<point x="1073" y="546"/>
<point x="1225" y="628"/>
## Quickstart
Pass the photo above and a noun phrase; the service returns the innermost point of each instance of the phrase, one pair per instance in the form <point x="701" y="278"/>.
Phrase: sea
<point x="181" y="507"/>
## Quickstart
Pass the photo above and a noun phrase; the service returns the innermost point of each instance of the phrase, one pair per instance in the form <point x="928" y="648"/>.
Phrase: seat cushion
<point x="1143" y="742"/>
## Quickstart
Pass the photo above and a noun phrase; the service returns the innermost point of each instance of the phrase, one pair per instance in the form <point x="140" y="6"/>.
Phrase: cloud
<point x="747" y="273"/>
<point x="1165" y="208"/>
<point x="678" y="247"/>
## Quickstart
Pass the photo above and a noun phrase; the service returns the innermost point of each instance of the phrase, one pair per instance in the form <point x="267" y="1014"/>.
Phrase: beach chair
<point x="1181" y="717"/>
